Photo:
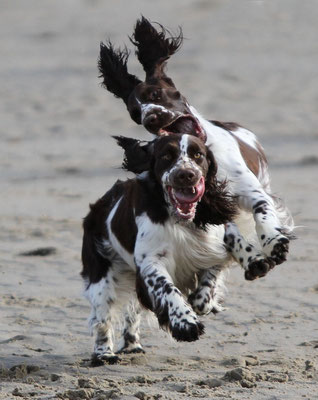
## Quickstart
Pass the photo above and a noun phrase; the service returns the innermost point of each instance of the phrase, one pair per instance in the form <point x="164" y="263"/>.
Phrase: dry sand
<point x="254" y="62"/>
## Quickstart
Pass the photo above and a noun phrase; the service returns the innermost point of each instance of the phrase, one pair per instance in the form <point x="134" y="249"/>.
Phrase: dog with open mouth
<point x="163" y="110"/>
<point x="157" y="238"/>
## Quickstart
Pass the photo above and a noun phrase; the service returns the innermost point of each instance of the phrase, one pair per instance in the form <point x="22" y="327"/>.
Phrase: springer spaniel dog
<point x="160" y="237"/>
<point x="163" y="110"/>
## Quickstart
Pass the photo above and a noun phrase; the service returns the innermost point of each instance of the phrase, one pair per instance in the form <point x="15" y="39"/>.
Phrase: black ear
<point x="154" y="46"/>
<point x="217" y="205"/>
<point x="112" y="65"/>
<point x="138" y="156"/>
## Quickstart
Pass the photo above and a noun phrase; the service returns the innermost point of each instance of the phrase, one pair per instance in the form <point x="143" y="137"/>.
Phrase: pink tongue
<point x="188" y="197"/>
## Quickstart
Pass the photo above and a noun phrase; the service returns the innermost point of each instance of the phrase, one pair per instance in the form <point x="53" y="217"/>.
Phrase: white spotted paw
<point x="276" y="248"/>
<point x="183" y="324"/>
<point x="203" y="303"/>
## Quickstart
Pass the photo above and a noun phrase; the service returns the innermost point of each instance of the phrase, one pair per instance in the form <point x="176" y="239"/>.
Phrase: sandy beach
<point x="249" y="61"/>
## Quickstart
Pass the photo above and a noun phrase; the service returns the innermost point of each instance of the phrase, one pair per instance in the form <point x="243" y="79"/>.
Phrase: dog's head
<point x="154" y="103"/>
<point x="186" y="170"/>
<point x="181" y="164"/>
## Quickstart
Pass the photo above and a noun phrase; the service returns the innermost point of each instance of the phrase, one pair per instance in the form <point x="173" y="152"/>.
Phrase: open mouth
<point x="184" y="124"/>
<point x="184" y="200"/>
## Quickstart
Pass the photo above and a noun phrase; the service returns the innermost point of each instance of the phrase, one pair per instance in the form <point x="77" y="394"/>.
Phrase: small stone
<point x="55" y="377"/>
<point x="139" y="360"/>
<point x="251" y="360"/>
<point x="141" y="379"/>
<point x="234" y="362"/>
<point x="79" y="394"/>
<point x="143" y="396"/>
<point x="110" y="394"/>
<point x="309" y="365"/>
<point x="16" y="392"/>
<point x="32" y="368"/>
<point x="239" y="374"/>
<point x="181" y="388"/>
<point x="86" y="383"/>
<point x="210" y="382"/>
<point x="247" y="384"/>
<point x="278" y="377"/>
<point x="261" y="376"/>
<point x="19" y="371"/>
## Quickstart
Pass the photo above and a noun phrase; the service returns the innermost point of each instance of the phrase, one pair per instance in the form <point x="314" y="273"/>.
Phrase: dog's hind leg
<point x="130" y="339"/>
<point x="102" y="296"/>
<point x="209" y="294"/>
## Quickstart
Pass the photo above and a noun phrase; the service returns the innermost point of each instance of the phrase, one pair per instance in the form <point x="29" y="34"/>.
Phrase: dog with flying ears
<point x="259" y="237"/>
<point x="157" y="240"/>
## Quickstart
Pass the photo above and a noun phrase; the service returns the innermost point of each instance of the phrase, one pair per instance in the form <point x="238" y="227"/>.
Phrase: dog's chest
<point x="181" y="248"/>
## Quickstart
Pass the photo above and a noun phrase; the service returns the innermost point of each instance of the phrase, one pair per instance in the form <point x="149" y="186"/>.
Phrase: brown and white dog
<point x="162" y="110"/>
<point x="159" y="236"/>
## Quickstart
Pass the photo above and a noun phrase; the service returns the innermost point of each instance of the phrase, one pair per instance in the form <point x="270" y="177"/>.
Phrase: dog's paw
<point x="99" y="359"/>
<point x="183" y="324"/>
<point x="280" y="251"/>
<point x="276" y="248"/>
<point x="186" y="331"/>
<point x="131" y="350"/>
<point x="257" y="269"/>
<point x="202" y="301"/>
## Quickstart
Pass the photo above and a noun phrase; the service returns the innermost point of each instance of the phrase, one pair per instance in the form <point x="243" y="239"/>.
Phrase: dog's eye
<point x="175" y="94"/>
<point x="155" y="95"/>
<point x="198" y="155"/>
<point x="166" y="157"/>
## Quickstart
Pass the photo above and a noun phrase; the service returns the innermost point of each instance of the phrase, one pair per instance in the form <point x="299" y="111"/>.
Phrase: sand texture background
<point x="253" y="62"/>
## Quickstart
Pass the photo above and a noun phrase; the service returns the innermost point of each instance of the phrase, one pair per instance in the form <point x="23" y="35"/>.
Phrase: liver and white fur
<point x="159" y="236"/>
<point x="162" y="110"/>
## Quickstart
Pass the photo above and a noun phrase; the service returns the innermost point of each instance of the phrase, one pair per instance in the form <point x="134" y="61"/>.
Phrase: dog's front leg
<point x="273" y="227"/>
<point x="250" y="258"/>
<point x="208" y="296"/>
<point x="157" y="292"/>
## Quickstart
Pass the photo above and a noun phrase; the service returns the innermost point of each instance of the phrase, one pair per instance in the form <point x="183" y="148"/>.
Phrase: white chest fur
<point x="181" y="248"/>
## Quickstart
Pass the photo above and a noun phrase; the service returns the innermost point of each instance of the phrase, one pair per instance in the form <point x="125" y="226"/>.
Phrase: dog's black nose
<point x="150" y="120"/>
<point x="185" y="176"/>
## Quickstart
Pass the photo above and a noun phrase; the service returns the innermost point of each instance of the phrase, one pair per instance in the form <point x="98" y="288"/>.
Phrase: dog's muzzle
<point x="185" y="189"/>
<point x="157" y="117"/>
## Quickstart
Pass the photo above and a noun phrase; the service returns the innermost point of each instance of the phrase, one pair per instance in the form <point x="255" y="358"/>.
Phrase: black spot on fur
<point x="142" y="292"/>
<point x="229" y="240"/>
<point x="228" y="126"/>
<point x="260" y="203"/>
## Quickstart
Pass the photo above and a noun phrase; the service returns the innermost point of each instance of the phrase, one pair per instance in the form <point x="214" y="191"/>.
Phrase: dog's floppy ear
<point x="112" y="65"/>
<point x="154" y="47"/>
<point x="217" y="205"/>
<point x="138" y="154"/>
